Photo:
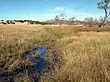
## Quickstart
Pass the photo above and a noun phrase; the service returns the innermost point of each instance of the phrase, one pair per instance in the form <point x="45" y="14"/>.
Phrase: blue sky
<point x="47" y="9"/>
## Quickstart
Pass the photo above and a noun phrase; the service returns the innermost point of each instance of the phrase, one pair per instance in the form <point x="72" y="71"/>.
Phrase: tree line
<point x="23" y="21"/>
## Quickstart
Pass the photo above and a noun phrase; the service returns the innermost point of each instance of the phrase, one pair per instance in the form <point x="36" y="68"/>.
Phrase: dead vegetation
<point x="86" y="51"/>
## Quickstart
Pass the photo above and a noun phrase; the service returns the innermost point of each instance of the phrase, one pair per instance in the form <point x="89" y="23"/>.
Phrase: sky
<point x="47" y="9"/>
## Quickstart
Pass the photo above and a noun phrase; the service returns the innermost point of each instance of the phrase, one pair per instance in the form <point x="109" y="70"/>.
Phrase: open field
<point x="85" y="50"/>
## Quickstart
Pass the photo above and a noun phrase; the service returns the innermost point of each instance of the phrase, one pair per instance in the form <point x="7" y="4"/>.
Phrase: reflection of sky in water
<point x="40" y="63"/>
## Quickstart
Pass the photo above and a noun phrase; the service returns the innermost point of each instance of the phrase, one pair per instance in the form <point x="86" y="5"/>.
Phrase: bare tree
<point x="89" y="21"/>
<point x="71" y="20"/>
<point x="101" y="19"/>
<point x="96" y="21"/>
<point x="57" y="19"/>
<point x="60" y="19"/>
<point x="104" y="5"/>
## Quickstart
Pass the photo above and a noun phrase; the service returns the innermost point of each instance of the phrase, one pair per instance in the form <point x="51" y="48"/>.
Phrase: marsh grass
<point x="85" y="50"/>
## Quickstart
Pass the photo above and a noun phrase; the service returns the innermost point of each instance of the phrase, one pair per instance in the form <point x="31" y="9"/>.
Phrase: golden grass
<point x="86" y="50"/>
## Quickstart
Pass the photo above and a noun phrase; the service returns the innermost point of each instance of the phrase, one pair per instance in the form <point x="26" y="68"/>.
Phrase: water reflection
<point x="34" y="64"/>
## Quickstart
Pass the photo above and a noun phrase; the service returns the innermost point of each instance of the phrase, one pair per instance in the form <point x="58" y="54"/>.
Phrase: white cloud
<point x="56" y="9"/>
<point x="46" y="0"/>
<point x="51" y="13"/>
<point x="79" y="14"/>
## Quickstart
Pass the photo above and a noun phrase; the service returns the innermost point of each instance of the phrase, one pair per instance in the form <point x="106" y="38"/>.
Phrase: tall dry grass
<point x="86" y="50"/>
